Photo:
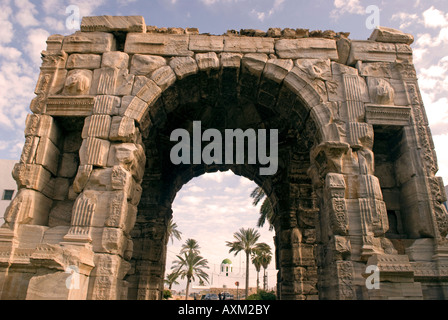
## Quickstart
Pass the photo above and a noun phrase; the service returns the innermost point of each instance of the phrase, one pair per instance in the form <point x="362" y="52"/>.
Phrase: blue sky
<point x="25" y="25"/>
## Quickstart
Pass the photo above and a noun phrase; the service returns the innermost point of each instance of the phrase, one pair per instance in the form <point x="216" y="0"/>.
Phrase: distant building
<point x="8" y="186"/>
<point x="225" y="277"/>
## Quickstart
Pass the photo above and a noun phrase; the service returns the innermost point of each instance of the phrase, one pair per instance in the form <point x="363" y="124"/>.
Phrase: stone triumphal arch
<point x="355" y="188"/>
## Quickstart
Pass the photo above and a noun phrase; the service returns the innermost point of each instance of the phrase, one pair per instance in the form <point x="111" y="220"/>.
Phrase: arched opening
<point x="210" y="209"/>
<point x="242" y="97"/>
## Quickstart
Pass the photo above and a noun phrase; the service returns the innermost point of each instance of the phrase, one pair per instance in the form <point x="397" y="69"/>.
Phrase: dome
<point x="226" y="261"/>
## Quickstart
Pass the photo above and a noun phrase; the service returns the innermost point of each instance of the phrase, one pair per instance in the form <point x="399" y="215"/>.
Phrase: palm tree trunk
<point x="247" y="274"/>
<point x="264" y="279"/>
<point x="258" y="280"/>
<point x="188" y="288"/>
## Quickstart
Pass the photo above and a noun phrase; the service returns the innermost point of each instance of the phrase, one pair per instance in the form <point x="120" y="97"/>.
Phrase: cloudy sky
<point x="25" y="25"/>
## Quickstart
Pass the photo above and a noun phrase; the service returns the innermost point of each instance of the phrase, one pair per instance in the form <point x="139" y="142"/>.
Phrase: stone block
<point x="113" y="23"/>
<point x="277" y="69"/>
<point x="149" y="93"/>
<point x="254" y="63"/>
<point x="29" y="207"/>
<point x="207" y="61"/>
<point x="383" y="34"/>
<point x="56" y="287"/>
<point x="146" y="64"/>
<point x="421" y="250"/>
<point x="54" y="43"/>
<point x="376" y="69"/>
<point x="381" y="92"/>
<point x="115" y="59"/>
<point x="60" y="215"/>
<point x="231" y="60"/>
<point x="72" y="142"/>
<point x="206" y="43"/>
<point x="61" y="186"/>
<point x="129" y="156"/>
<point x="113" y="241"/>
<point x="294" y="81"/>
<point x="31" y="236"/>
<point x="184" y="67"/>
<point x="55" y="234"/>
<point x="107" y="105"/>
<point x="139" y="82"/>
<point x="109" y="209"/>
<point x="137" y="109"/>
<point x="78" y="82"/>
<point x="404" y="53"/>
<point x="94" y="152"/>
<point x="49" y="83"/>
<point x="249" y="45"/>
<point x="82" y="177"/>
<point x="370" y="51"/>
<point x="355" y="89"/>
<point x="89" y="42"/>
<point x="84" y="61"/>
<point x="31" y="176"/>
<point x="164" y="77"/>
<point x="97" y="126"/>
<point x="388" y="115"/>
<point x="307" y="48"/>
<point x="157" y="44"/>
<point x="99" y="180"/>
<point x="47" y="155"/>
<point x="122" y="129"/>
<point x="344" y="46"/>
<point x="112" y="81"/>
<point x="42" y="126"/>
<point x="70" y="106"/>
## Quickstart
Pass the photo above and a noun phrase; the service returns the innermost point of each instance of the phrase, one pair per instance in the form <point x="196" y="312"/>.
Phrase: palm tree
<point x="190" y="266"/>
<point x="264" y="253"/>
<point x="266" y="212"/>
<point x="246" y="240"/>
<point x="256" y="261"/>
<point x="172" y="231"/>
<point x="171" y="279"/>
<point x="191" y="245"/>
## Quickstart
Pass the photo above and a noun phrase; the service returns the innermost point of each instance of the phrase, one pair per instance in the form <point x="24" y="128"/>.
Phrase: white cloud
<point x="10" y="53"/>
<point x="434" y="18"/>
<point x="6" y="25"/>
<point x="440" y="142"/>
<point x="192" y="200"/>
<point x="347" y="6"/>
<point x="276" y="6"/>
<point x="55" y="24"/>
<point x="25" y="14"/>
<point x="196" y="189"/>
<point x="406" y="19"/>
<point x="36" y="43"/>
<point x="218" y="176"/>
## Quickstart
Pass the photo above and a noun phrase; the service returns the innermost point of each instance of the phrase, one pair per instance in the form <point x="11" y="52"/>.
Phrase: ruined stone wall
<point x="356" y="185"/>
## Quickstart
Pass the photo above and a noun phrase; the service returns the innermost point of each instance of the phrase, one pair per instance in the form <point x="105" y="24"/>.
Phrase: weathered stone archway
<point x="245" y="92"/>
<point x="96" y="182"/>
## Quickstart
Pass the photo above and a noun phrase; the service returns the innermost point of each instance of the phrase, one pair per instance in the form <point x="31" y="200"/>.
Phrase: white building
<point x="8" y="187"/>
<point x="226" y="275"/>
